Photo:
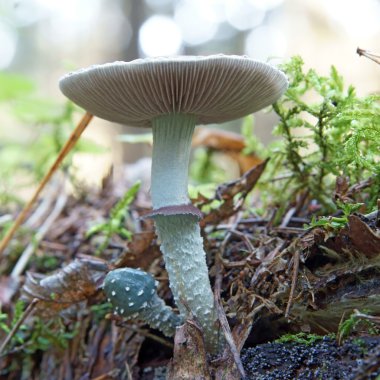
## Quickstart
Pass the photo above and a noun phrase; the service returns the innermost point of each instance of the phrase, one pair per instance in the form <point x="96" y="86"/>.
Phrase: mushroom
<point x="173" y="95"/>
<point x="132" y="293"/>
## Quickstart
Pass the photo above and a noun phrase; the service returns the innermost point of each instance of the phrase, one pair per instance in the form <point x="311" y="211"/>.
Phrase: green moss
<point x="334" y="134"/>
<point x="301" y="338"/>
<point x="115" y="224"/>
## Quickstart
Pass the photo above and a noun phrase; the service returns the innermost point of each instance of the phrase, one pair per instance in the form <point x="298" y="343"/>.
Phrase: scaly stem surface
<point x="181" y="242"/>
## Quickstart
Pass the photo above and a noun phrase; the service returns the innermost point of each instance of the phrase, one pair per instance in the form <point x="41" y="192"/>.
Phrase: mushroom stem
<point x="160" y="316"/>
<point x="181" y="241"/>
<point x="172" y="135"/>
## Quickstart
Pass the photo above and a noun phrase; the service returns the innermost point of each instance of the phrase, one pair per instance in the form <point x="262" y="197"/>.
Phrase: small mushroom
<point x="133" y="295"/>
<point x="173" y="95"/>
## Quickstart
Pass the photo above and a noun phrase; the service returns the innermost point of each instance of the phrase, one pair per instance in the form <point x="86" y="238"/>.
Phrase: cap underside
<point x="214" y="88"/>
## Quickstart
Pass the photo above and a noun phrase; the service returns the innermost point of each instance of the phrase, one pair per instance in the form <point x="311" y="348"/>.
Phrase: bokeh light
<point x="69" y="19"/>
<point x="160" y="36"/>
<point x="158" y="4"/>
<point x="243" y="15"/>
<point x="359" y="19"/>
<point x="23" y="13"/>
<point x="196" y="21"/>
<point x="8" y="44"/>
<point x="266" y="5"/>
<point x="265" y="42"/>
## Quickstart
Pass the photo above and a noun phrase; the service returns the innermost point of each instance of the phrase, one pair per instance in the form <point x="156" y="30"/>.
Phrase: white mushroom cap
<point x="215" y="89"/>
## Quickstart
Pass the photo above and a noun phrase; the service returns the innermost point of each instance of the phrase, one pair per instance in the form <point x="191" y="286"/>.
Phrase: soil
<point x="322" y="360"/>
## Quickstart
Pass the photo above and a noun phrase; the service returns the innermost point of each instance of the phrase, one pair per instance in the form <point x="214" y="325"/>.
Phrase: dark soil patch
<point x="323" y="360"/>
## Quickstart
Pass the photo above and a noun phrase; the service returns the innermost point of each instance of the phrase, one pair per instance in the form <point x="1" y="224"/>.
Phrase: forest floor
<point x="318" y="287"/>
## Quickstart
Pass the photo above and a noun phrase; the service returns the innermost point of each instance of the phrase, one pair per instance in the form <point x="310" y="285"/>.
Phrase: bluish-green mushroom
<point x="172" y="96"/>
<point x="133" y="295"/>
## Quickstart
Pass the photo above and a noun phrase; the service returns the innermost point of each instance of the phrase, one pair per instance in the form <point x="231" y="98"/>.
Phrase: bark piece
<point x="189" y="360"/>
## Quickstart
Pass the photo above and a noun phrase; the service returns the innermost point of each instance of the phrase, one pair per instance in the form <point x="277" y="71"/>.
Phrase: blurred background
<point x="44" y="39"/>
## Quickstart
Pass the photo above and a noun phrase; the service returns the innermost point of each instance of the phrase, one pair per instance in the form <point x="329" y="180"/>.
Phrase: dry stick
<point x="26" y="313"/>
<point x="28" y="252"/>
<point x="43" y="208"/>
<point x="368" y="54"/>
<point x="223" y="320"/>
<point x="372" y="318"/>
<point x="70" y="143"/>
<point x="296" y="266"/>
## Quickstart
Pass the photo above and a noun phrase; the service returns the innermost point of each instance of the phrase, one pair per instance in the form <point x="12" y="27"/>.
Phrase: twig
<point x="24" y="258"/>
<point x="114" y="374"/>
<point x="290" y="230"/>
<point x="70" y="143"/>
<point x="223" y="320"/>
<point x="25" y="314"/>
<point x="286" y="219"/>
<point x="43" y="208"/>
<point x="373" y="57"/>
<point x="296" y="265"/>
<point x="372" y="318"/>
<point x="95" y="347"/>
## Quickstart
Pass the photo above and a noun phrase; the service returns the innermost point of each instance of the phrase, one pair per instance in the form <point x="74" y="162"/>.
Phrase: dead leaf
<point x="231" y="143"/>
<point x="246" y="162"/>
<point x="218" y="139"/>
<point x="71" y="285"/>
<point x="228" y="194"/>
<point x="140" y="252"/>
<point x="362" y="237"/>
<point x="357" y="238"/>
<point x="341" y="188"/>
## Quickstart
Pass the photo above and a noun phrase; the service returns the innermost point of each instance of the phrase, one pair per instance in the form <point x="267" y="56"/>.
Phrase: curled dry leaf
<point x="139" y="252"/>
<point x="69" y="286"/>
<point x="357" y="239"/>
<point x="362" y="237"/>
<point x="227" y="193"/>
<point x="218" y="139"/>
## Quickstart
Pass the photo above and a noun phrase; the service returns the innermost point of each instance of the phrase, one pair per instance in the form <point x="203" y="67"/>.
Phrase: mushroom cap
<point x="129" y="290"/>
<point x="214" y="88"/>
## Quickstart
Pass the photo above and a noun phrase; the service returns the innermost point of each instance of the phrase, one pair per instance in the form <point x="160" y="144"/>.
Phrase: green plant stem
<point x="293" y="157"/>
<point x="322" y="145"/>
<point x="17" y="325"/>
